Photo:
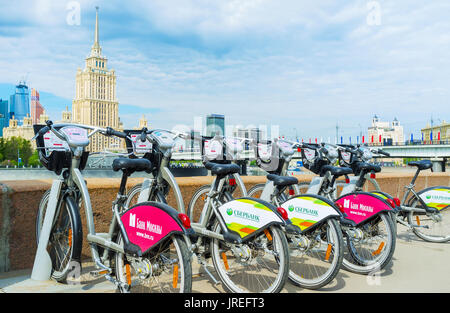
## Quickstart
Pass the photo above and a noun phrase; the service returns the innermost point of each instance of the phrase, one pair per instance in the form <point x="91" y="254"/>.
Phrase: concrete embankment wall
<point x="20" y="200"/>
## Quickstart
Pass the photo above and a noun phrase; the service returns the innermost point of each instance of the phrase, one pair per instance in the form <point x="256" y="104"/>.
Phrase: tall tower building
<point x="215" y="125"/>
<point x="4" y="115"/>
<point x="19" y="104"/>
<point x="95" y="100"/>
<point x="36" y="108"/>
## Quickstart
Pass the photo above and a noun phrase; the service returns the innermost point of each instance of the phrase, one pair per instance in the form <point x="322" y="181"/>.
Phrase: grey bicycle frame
<point x="269" y="190"/>
<point x="165" y="175"/>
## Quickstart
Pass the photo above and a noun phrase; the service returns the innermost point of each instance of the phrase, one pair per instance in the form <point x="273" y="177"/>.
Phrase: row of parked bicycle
<point x="254" y="240"/>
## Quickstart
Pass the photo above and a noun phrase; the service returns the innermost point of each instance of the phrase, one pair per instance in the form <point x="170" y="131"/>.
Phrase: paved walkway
<point x="417" y="266"/>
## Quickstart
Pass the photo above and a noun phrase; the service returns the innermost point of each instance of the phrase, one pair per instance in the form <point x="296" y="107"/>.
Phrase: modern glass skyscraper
<point x="215" y="125"/>
<point x="19" y="104"/>
<point x="4" y="115"/>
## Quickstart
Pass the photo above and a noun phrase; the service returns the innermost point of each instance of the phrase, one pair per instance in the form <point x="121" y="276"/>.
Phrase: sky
<point x="303" y="66"/>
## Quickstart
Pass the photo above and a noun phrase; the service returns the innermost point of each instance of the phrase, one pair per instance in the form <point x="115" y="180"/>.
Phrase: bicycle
<point x="145" y="248"/>
<point x="156" y="145"/>
<point x="426" y="212"/>
<point x="316" y="254"/>
<point x="244" y="237"/>
<point x="370" y="239"/>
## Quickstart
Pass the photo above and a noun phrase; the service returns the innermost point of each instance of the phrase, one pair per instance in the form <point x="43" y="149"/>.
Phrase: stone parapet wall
<point x="20" y="200"/>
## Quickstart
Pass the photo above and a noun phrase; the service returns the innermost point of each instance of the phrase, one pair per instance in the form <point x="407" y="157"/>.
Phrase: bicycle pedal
<point x="99" y="273"/>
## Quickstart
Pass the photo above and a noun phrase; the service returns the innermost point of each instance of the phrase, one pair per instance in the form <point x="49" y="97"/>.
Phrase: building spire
<point x="96" y="50"/>
<point x="96" y="26"/>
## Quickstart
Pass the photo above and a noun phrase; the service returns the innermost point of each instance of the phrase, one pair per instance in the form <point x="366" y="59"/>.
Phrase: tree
<point x="16" y="147"/>
<point x="34" y="159"/>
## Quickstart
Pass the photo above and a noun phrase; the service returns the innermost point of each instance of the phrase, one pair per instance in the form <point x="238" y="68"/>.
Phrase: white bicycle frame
<point x="42" y="264"/>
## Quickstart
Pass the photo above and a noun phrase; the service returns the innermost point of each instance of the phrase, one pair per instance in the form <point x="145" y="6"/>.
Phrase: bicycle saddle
<point x="421" y="165"/>
<point x="133" y="165"/>
<point x="282" y="180"/>
<point x="222" y="169"/>
<point x="336" y="171"/>
<point x="367" y="167"/>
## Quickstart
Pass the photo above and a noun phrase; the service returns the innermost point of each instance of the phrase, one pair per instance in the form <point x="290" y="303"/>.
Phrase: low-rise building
<point x="385" y="133"/>
<point x="436" y="133"/>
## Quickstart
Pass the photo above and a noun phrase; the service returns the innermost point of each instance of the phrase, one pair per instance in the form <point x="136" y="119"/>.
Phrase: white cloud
<point x="293" y="63"/>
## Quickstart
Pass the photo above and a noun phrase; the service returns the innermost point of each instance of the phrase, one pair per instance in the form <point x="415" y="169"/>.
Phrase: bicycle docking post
<point x="42" y="267"/>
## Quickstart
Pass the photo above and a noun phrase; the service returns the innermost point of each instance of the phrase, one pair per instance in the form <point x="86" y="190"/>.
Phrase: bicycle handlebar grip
<point x="44" y="130"/>
<point x="111" y="132"/>
<point x="383" y="152"/>
<point x="144" y="134"/>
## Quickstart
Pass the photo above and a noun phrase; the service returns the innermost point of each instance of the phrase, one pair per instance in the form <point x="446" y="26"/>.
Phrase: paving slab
<point x="417" y="267"/>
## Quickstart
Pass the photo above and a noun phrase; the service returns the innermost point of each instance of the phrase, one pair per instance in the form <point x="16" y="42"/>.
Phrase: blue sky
<point x="302" y="65"/>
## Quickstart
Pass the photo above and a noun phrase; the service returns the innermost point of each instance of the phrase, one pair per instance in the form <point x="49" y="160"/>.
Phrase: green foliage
<point x="407" y="160"/>
<point x="12" y="148"/>
<point x="34" y="159"/>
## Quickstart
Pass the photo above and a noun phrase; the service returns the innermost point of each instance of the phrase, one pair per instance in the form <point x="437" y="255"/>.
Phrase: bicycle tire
<point x="182" y="271"/>
<point x="70" y="213"/>
<point x="419" y="219"/>
<point x="133" y="194"/>
<point x="354" y="261"/>
<point x="223" y="264"/>
<point x="305" y="272"/>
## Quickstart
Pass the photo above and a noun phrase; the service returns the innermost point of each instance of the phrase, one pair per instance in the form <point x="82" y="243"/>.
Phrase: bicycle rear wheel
<point x="133" y="196"/>
<point x="65" y="241"/>
<point x="165" y="269"/>
<point x="260" y="265"/>
<point x="370" y="246"/>
<point x="432" y="227"/>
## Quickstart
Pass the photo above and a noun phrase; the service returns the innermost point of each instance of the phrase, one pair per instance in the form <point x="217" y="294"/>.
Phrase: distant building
<point x="4" y="115"/>
<point x="66" y="117"/>
<point x="44" y="118"/>
<point x="386" y="133"/>
<point x="19" y="104"/>
<point x="95" y="100"/>
<point x="249" y="133"/>
<point x="142" y="123"/>
<point x="24" y="131"/>
<point x="436" y="133"/>
<point x="36" y="108"/>
<point x="215" y="125"/>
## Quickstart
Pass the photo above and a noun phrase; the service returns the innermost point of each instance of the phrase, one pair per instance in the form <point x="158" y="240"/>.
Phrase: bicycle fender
<point x="149" y="223"/>
<point x="386" y="196"/>
<point x="247" y="217"/>
<point x="362" y="206"/>
<point x="308" y="211"/>
<point x="436" y="197"/>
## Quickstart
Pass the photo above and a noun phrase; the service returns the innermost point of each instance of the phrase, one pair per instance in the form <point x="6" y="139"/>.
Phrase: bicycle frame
<point x="74" y="181"/>
<point x="164" y="178"/>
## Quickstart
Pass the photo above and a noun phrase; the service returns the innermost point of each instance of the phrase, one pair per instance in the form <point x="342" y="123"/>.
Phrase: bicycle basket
<point x="346" y="158"/>
<point x="135" y="145"/>
<point x="311" y="160"/>
<point x="54" y="153"/>
<point x="264" y="151"/>
<point x="213" y="150"/>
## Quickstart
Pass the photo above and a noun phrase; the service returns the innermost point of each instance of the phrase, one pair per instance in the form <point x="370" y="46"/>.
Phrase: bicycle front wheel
<point x="432" y="227"/>
<point x="65" y="241"/>
<point x="261" y="265"/>
<point x="316" y="257"/>
<point x="166" y="269"/>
